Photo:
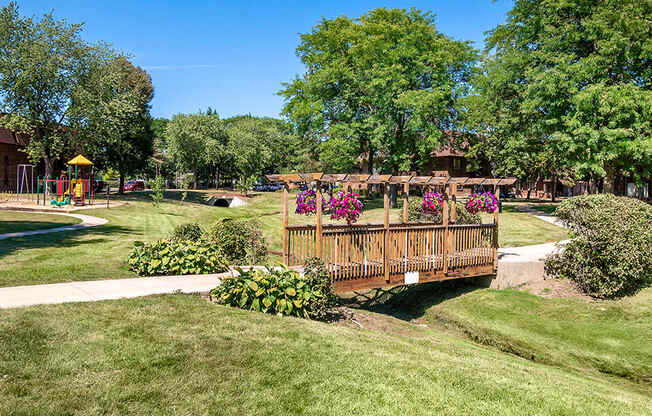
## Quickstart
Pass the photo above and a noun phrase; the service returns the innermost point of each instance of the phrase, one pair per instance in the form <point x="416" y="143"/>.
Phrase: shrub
<point x="158" y="187"/>
<point x="169" y="257"/>
<point x="191" y="231"/>
<point x="240" y="240"/>
<point x="277" y="291"/>
<point x="416" y="214"/>
<point x="611" y="241"/>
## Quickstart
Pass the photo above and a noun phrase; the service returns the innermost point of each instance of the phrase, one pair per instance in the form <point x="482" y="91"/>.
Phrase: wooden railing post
<point x="286" y="245"/>
<point x="446" y="238"/>
<point x="406" y="198"/>
<point x="497" y="193"/>
<point x="318" y="228"/>
<point x="386" y="227"/>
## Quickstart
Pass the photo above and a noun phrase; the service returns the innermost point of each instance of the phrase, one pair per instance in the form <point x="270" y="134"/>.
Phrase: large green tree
<point x="565" y="89"/>
<point x="42" y="62"/>
<point x="197" y="143"/>
<point x="111" y="116"/>
<point x="259" y="146"/>
<point x="378" y="90"/>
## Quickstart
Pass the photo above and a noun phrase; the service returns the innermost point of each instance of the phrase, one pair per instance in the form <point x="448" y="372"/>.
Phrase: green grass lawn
<point x="180" y="354"/>
<point x="593" y="337"/>
<point x="101" y="252"/>
<point x="14" y="221"/>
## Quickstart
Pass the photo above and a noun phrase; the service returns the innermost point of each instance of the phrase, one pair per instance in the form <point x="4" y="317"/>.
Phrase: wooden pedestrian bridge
<point x="368" y="256"/>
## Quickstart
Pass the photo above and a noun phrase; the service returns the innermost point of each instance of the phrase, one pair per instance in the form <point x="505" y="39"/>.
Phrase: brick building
<point x="10" y="157"/>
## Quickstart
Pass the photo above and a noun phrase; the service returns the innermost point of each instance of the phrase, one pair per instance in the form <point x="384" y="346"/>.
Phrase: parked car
<point x="98" y="185"/>
<point x="137" y="185"/>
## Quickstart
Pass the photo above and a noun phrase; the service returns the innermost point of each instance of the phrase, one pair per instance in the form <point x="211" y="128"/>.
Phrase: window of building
<point x="457" y="163"/>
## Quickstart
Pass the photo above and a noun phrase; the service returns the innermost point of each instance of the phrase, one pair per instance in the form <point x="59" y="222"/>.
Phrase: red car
<point x="137" y="185"/>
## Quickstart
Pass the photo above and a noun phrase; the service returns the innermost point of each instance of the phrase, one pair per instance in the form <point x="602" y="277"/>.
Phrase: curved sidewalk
<point x="520" y="265"/>
<point x="87" y="222"/>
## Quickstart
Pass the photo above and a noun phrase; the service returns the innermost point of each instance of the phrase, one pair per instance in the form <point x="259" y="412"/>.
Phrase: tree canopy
<point x="565" y="90"/>
<point x="378" y="90"/>
<point x="42" y="63"/>
<point x="111" y="116"/>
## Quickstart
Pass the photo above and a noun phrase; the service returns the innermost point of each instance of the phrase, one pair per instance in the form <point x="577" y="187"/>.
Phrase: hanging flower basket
<point x="346" y="206"/>
<point x="485" y="202"/>
<point x="433" y="202"/>
<point x="307" y="202"/>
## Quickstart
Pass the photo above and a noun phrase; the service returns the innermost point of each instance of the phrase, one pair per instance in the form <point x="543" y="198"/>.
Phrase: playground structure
<point x="73" y="188"/>
<point x="369" y="256"/>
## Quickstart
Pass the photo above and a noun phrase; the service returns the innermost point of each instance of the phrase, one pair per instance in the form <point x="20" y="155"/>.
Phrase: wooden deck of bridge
<point x="371" y="256"/>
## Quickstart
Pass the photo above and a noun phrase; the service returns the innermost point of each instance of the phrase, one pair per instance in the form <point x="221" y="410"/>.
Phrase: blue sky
<point x="233" y="55"/>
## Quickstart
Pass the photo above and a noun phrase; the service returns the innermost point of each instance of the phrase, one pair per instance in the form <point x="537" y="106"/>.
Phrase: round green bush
<point x="191" y="231"/>
<point x="609" y="253"/>
<point x="241" y="240"/>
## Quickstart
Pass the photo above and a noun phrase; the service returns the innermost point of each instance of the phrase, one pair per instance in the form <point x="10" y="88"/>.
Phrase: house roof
<point x="9" y="137"/>
<point x="453" y="145"/>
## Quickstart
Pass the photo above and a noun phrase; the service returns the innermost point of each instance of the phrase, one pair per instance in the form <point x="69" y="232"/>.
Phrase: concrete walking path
<point x="87" y="222"/>
<point x="89" y="291"/>
<point x="520" y="265"/>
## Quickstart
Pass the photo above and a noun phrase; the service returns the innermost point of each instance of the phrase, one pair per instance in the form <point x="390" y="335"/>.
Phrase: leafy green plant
<point x="241" y="240"/>
<point x="611" y="241"/>
<point x="170" y="257"/>
<point x="191" y="231"/>
<point x="277" y="291"/>
<point x="158" y="186"/>
<point x="245" y="183"/>
<point x="187" y="181"/>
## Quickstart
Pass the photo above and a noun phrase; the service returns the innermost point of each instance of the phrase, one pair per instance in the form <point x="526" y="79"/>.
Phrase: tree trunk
<point x="194" y="179"/>
<point x="394" y="196"/>
<point x="48" y="165"/>
<point x="554" y="187"/>
<point x="609" y="185"/>
<point x="121" y="187"/>
<point x="217" y="178"/>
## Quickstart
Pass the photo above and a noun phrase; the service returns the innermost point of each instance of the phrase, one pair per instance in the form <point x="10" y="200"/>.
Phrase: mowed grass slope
<point x="180" y="354"/>
<point x="101" y="252"/>
<point x="608" y="337"/>
<point x="15" y="221"/>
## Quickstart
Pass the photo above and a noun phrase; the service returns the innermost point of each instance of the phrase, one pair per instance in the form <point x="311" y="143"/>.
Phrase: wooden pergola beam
<point x="387" y="179"/>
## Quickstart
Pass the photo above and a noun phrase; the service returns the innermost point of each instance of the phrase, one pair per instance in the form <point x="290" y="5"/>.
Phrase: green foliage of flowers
<point x="278" y="291"/>
<point x="241" y="240"/>
<point x="611" y="242"/>
<point x="171" y="257"/>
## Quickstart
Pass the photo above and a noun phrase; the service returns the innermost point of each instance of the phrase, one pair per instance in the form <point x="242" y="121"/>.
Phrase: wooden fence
<point x="356" y="259"/>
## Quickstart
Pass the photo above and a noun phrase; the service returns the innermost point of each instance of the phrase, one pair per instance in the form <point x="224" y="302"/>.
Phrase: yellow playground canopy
<point x="80" y="160"/>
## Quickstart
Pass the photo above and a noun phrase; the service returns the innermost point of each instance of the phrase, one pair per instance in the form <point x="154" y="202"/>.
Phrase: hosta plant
<point x="433" y="203"/>
<point x="276" y="291"/>
<point x="485" y="202"/>
<point x="173" y="257"/>
<point x="346" y="206"/>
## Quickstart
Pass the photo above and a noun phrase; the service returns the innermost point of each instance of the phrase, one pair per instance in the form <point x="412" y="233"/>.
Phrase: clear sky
<point x="233" y="55"/>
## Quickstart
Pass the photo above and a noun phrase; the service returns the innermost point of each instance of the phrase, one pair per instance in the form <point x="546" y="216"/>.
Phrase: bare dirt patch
<point x="554" y="288"/>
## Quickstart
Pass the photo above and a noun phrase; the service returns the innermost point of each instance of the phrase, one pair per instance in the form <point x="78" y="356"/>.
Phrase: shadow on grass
<point x="100" y="234"/>
<point x="21" y="226"/>
<point x="411" y="302"/>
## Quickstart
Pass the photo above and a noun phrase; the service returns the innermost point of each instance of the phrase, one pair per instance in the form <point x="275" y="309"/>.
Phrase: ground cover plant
<point x="279" y="291"/>
<point x="175" y="257"/>
<point x="611" y="241"/>
<point x="14" y="221"/>
<point x="184" y="355"/>
<point x="101" y="252"/>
